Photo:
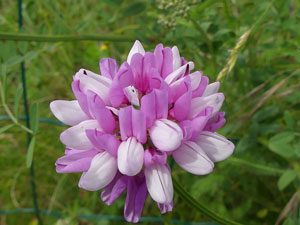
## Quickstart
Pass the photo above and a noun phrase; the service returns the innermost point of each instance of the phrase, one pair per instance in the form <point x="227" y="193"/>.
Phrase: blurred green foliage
<point x="259" y="184"/>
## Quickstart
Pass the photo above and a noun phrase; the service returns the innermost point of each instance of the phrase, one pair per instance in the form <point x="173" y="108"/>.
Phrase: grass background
<point x="255" y="186"/>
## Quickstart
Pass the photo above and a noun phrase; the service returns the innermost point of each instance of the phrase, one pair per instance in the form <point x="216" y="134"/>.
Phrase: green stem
<point x="198" y="206"/>
<point x="58" y="38"/>
<point x="13" y="118"/>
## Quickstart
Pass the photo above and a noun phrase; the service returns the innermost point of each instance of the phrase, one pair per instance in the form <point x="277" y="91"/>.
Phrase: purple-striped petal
<point x="216" y="147"/>
<point x="192" y="158"/>
<point x="130" y="157"/>
<point x="108" y="67"/>
<point x="159" y="183"/>
<point x="166" y="135"/>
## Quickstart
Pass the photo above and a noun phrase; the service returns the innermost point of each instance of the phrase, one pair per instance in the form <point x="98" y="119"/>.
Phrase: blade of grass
<point x="58" y="38"/>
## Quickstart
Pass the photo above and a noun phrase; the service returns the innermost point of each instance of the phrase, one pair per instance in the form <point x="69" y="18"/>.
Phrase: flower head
<point x="128" y="120"/>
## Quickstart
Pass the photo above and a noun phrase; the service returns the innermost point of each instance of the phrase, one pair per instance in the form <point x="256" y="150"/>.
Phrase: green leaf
<point x="17" y="100"/>
<point x="30" y="152"/>
<point x="281" y="144"/>
<point x="134" y="9"/>
<point x="286" y="179"/>
<point x="34" y="117"/>
<point x="5" y="128"/>
<point x="14" y="60"/>
<point x="289" y="120"/>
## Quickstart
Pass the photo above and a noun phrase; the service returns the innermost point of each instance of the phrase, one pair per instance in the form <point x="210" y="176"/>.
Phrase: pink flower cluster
<point x="128" y="120"/>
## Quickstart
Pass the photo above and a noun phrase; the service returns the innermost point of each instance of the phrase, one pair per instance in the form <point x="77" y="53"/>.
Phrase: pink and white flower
<point x="128" y="120"/>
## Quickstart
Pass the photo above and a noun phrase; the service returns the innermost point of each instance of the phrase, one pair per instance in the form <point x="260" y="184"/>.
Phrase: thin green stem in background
<point x="200" y="207"/>
<point x="6" y="108"/>
<point x="29" y="136"/>
<point x="59" y="38"/>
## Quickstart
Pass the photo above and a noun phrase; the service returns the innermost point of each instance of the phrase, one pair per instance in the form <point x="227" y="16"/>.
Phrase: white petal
<point x="136" y="48"/>
<point x="95" y="76"/>
<point x="177" y="74"/>
<point x="216" y="147"/>
<point x="176" y="58"/>
<point x="195" y="80"/>
<point x="211" y="89"/>
<point x="101" y="172"/>
<point x="166" y="135"/>
<point x="130" y="157"/>
<point x="114" y="110"/>
<point x="193" y="159"/>
<point x="75" y="136"/>
<point x="200" y="103"/>
<point x="159" y="183"/>
<point x="68" y="112"/>
<point x="100" y="85"/>
<point x="132" y="95"/>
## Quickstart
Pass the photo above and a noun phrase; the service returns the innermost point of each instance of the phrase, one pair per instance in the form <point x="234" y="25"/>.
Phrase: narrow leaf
<point x="281" y="144"/>
<point x="17" y="101"/>
<point x="34" y="117"/>
<point x="5" y="128"/>
<point x="286" y="179"/>
<point x="30" y="152"/>
<point x="134" y="9"/>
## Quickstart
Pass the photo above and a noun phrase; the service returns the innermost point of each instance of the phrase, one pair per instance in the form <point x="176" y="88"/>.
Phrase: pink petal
<point x="167" y="64"/>
<point x="216" y="147"/>
<point x="116" y="94"/>
<point x="155" y="106"/>
<point x="99" y="111"/>
<point x="123" y="79"/>
<point x="137" y="69"/>
<point x="108" y="67"/>
<point x="166" y="135"/>
<point x="101" y="172"/>
<point x="80" y="96"/>
<point x="216" y="122"/>
<point x="102" y="141"/>
<point x="75" y="137"/>
<point x="132" y="124"/>
<point x="152" y="156"/>
<point x="164" y="208"/>
<point x="114" y="189"/>
<point x="130" y="157"/>
<point x="159" y="183"/>
<point x="192" y="158"/>
<point x="182" y="106"/>
<point x="68" y="112"/>
<point x="136" y="48"/>
<point x="198" y="92"/>
<point x="76" y="162"/>
<point x="135" y="198"/>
